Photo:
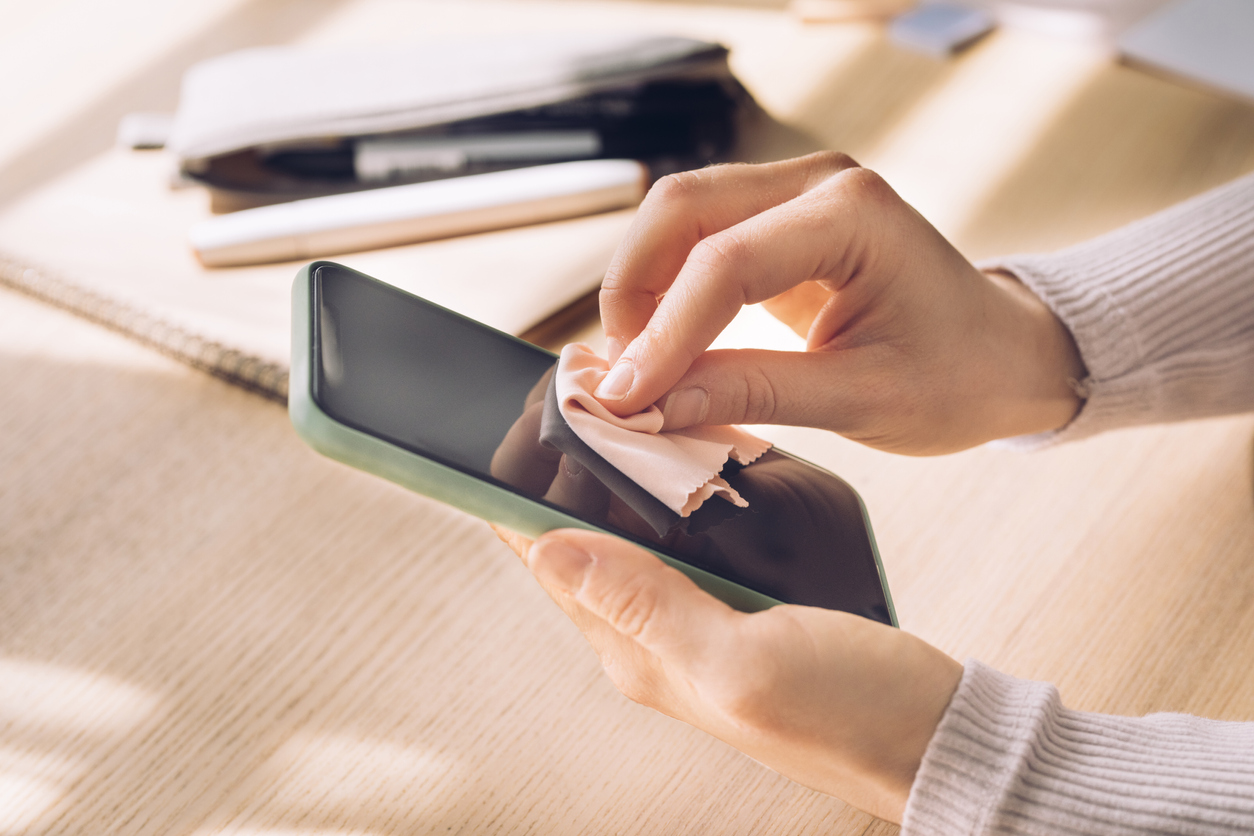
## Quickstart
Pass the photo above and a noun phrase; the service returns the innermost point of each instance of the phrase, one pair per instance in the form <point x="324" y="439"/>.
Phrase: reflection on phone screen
<point x="452" y="390"/>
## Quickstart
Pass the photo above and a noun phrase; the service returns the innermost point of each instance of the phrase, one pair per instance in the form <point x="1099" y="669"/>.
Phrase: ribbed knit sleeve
<point x="1162" y="311"/>
<point x="1008" y="758"/>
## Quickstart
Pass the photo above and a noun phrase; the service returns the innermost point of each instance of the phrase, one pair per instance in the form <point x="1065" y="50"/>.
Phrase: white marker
<point x="396" y="215"/>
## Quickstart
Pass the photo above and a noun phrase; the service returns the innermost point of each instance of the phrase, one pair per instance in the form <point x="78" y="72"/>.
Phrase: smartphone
<point x="390" y="383"/>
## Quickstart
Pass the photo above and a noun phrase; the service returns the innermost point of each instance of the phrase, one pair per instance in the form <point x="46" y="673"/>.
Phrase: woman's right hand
<point x="910" y="348"/>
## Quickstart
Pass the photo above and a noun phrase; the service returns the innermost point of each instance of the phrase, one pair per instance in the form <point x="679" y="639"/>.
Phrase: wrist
<point x="1040" y="369"/>
<point x="897" y="719"/>
<point x="937" y="677"/>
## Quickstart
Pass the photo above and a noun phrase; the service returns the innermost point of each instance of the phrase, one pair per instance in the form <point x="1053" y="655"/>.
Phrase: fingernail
<point x="560" y="565"/>
<point x="572" y="467"/>
<point x="686" y="408"/>
<point x="615" y="384"/>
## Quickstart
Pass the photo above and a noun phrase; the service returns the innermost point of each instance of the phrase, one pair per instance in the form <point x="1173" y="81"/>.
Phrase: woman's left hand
<point x="834" y="701"/>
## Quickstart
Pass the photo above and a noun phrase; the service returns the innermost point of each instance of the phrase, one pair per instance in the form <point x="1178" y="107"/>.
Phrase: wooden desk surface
<point x="206" y="628"/>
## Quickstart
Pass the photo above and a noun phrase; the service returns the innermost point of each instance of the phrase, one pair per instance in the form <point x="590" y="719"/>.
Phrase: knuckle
<point x="613" y="289"/>
<point x="863" y="185"/>
<point x="760" y="396"/>
<point x="723" y="263"/>
<point x="630" y="607"/>
<point x="611" y="292"/>
<point x="618" y="292"/>
<point x="674" y="188"/>
<point x="721" y="253"/>
<point x="829" y="162"/>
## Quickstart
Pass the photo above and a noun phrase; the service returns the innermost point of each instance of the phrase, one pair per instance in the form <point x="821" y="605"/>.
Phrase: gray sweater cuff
<point x="1008" y="758"/>
<point x="1162" y="311"/>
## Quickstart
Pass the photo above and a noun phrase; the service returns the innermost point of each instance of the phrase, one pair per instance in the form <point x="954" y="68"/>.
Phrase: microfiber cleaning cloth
<point x="678" y="468"/>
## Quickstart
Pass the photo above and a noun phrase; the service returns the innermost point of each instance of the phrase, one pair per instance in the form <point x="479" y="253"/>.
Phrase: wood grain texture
<point x="205" y="628"/>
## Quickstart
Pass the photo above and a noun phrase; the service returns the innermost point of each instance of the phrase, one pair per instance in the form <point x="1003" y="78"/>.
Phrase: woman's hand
<point x="910" y="348"/>
<point x="839" y="703"/>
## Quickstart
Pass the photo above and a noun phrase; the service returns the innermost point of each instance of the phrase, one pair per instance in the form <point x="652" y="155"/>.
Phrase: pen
<point x="395" y="215"/>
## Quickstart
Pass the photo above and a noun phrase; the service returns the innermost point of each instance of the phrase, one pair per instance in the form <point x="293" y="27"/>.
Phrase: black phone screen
<point x="447" y="388"/>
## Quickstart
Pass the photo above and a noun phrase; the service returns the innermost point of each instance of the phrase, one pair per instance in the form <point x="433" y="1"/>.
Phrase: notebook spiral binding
<point x="254" y="374"/>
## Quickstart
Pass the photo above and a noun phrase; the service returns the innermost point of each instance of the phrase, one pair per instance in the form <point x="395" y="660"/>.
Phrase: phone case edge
<point x="437" y="481"/>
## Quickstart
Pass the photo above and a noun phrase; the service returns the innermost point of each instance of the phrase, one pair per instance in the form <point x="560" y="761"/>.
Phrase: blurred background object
<point x="829" y="11"/>
<point x="97" y="227"/>
<point x="387" y="217"/>
<point x="145" y="131"/>
<point x="1095" y="21"/>
<point x="279" y="123"/>
<point x="940" y="29"/>
<point x="1210" y="42"/>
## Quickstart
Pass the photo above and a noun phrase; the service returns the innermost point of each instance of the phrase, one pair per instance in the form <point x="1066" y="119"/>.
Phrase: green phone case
<point x="474" y="496"/>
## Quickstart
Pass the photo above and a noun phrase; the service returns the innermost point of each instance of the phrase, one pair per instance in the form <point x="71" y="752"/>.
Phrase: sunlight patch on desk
<point x="30" y="329"/>
<point x="99" y="45"/>
<point x="956" y="147"/>
<point x="132" y="357"/>
<point x="31" y="785"/>
<point x="38" y="696"/>
<point x="333" y="772"/>
<point x="42" y="702"/>
<point x="814" y="55"/>
<point x="23" y="800"/>
<point x="285" y="831"/>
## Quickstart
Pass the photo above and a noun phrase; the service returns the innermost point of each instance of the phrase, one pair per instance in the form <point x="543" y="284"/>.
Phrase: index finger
<point x="812" y="236"/>
<point x="681" y="210"/>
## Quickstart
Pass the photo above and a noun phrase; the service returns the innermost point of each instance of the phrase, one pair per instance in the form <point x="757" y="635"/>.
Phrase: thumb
<point x="633" y="591"/>
<point x="752" y="386"/>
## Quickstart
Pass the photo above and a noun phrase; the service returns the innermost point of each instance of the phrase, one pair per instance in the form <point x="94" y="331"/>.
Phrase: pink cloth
<point x="679" y="467"/>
